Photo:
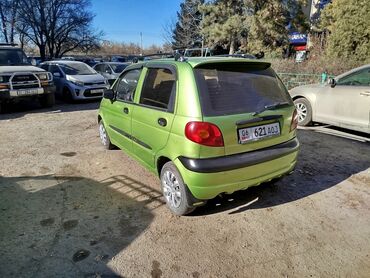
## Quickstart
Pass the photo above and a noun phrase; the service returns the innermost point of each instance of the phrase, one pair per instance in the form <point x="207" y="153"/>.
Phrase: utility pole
<point x="141" y="43"/>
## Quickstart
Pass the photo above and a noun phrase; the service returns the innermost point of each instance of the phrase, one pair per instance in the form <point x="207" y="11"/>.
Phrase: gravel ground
<point x="69" y="208"/>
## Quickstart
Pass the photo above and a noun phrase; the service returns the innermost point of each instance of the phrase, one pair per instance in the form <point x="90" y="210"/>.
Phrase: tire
<point x="67" y="95"/>
<point x="105" y="140"/>
<point x="175" y="192"/>
<point x="304" y="111"/>
<point x="47" y="100"/>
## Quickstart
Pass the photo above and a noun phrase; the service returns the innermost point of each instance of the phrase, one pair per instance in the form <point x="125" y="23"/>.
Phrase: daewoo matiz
<point x="205" y="126"/>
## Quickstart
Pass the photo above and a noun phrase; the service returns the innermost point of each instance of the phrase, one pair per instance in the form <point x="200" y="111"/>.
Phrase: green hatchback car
<point x="205" y="126"/>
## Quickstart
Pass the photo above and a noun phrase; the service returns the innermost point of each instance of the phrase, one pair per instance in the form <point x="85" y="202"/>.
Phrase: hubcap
<point x="103" y="134"/>
<point x="302" y="111"/>
<point x="171" y="189"/>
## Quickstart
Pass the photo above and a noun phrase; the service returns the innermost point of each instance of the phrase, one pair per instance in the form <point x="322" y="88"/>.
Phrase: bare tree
<point x="57" y="26"/>
<point x="8" y="17"/>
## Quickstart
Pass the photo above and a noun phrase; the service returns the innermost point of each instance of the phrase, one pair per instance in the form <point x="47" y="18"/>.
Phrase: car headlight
<point x="43" y="76"/>
<point x="77" y="83"/>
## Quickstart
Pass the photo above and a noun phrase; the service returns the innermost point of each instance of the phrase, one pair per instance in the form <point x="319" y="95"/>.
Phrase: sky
<point x="123" y="20"/>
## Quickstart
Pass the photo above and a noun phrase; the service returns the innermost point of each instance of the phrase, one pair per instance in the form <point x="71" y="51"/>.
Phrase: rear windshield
<point x="231" y="88"/>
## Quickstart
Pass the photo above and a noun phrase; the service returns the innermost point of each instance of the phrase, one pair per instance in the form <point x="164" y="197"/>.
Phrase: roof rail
<point x="8" y="44"/>
<point x="247" y="56"/>
<point x="258" y="55"/>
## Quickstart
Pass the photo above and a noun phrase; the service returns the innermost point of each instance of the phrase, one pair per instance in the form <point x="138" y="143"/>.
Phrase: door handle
<point x="162" y="122"/>
<point x="125" y="110"/>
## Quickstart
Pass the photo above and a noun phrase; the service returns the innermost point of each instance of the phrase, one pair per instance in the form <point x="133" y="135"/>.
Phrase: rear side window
<point x="159" y="89"/>
<point x="236" y="88"/>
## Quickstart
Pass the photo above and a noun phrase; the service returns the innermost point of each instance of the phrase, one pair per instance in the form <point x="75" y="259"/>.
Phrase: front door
<point x="348" y="103"/>
<point x="119" y="120"/>
<point x="153" y="116"/>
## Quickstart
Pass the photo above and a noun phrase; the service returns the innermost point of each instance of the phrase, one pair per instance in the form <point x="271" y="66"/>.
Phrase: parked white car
<point x="344" y="101"/>
<point x="76" y="80"/>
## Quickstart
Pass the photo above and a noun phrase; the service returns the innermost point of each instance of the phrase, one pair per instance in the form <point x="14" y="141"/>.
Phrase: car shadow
<point x="323" y="162"/>
<point x="22" y="108"/>
<point x="65" y="226"/>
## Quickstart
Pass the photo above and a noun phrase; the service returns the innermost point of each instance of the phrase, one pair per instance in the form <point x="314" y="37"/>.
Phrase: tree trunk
<point x="3" y="24"/>
<point x="232" y="45"/>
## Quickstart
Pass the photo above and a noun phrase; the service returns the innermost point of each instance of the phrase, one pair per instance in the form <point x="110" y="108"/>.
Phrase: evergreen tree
<point x="348" y="24"/>
<point x="187" y="30"/>
<point x="224" y="23"/>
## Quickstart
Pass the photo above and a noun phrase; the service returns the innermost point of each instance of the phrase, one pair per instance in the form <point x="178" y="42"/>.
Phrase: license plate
<point x="27" y="92"/>
<point x="97" y="91"/>
<point x="258" y="132"/>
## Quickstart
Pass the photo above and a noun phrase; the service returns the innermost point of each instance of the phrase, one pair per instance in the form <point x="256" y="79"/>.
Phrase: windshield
<point x="77" y="69"/>
<point x="229" y="88"/>
<point x="117" y="68"/>
<point x="12" y="57"/>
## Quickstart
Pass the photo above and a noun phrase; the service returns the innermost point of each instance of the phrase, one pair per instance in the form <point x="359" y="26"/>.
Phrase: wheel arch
<point x="311" y="98"/>
<point x="161" y="161"/>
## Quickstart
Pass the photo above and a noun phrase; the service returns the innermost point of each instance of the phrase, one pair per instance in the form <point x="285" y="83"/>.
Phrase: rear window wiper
<point x="271" y="106"/>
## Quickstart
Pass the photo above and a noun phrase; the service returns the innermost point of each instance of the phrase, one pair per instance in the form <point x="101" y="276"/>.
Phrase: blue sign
<point x="297" y="38"/>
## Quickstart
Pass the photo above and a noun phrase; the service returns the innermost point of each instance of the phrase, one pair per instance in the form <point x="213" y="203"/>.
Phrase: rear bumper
<point x="211" y="177"/>
<point x="231" y="162"/>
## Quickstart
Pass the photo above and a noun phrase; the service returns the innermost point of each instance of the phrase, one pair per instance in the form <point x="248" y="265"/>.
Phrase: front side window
<point x="126" y="86"/>
<point x="99" y="68"/>
<point x="117" y="68"/>
<point x="360" y="78"/>
<point x="54" y="69"/>
<point x="159" y="89"/>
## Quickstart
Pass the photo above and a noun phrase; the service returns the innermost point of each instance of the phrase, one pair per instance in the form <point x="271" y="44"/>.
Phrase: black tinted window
<point x="159" y="89"/>
<point x="230" y="88"/>
<point x="99" y="68"/>
<point x="125" y="87"/>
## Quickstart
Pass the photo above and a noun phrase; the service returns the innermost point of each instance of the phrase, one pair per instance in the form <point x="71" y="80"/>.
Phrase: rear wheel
<point x="176" y="193"/>
<point x="304" y="111"/>
<point x="47" y="100"/>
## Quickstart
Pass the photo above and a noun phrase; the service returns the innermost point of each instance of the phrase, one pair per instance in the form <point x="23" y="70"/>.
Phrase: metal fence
<point x="292" y="80"/>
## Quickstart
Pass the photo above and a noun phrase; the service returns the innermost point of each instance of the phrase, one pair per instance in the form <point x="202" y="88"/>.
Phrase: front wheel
<point x="105" y="140"/>
<point x="304" y="111"/>
<point x="177" y="195"/>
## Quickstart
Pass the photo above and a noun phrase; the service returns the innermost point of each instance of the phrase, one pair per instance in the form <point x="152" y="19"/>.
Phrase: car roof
<point x="63" y="62"/>
<point x="197" y="61"/>
<point x="113" y="63"/>
<point x="352" y="71"/>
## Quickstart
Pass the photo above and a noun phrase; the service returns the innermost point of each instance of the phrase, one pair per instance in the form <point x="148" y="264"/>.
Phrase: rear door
<point x="119" y="112"/>
<point x="348" y="103"/>
<point x="237" y="96"/>
<point x="153" y="116"/>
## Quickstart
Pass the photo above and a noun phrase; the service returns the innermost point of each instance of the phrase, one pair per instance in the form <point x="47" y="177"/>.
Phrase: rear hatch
<point x="247" y="101"/>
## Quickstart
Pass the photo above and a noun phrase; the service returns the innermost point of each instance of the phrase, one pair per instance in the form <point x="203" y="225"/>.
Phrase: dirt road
<point x="69" y="208"/>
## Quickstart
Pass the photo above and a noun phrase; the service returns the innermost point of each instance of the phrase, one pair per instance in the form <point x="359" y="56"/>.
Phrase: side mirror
<point x="108" y="94"/>
<point x="332" y="82"/>
<point x="56" y="74"/>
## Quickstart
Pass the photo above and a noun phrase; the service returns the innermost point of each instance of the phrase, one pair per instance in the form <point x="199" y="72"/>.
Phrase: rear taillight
<point x="204" y="133"/>
<point x="294" y="122"/>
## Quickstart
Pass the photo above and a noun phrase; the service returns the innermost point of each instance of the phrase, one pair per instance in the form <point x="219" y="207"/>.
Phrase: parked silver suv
<point x="76" y="80"/>
<point x="19" y="80"/>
